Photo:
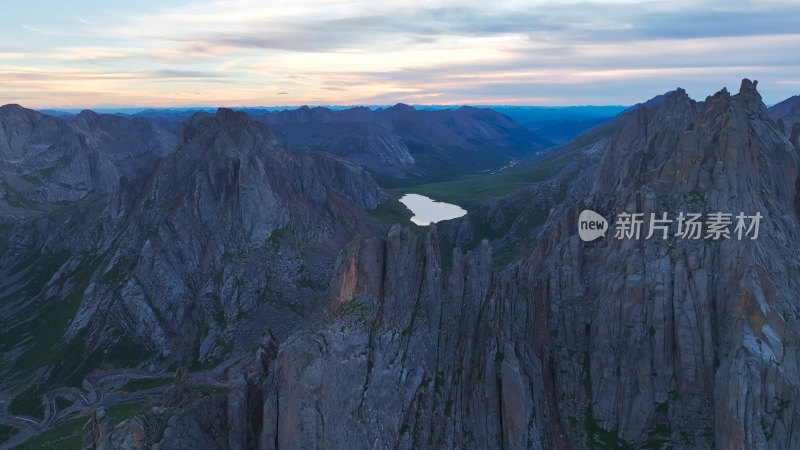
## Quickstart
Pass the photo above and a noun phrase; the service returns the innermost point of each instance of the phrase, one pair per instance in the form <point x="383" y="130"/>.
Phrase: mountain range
<point x="399" y="142"/>
<point x="254" y="257"/>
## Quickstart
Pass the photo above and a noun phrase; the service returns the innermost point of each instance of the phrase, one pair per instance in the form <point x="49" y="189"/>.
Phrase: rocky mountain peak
<point x="234" y="127"/>
<point x="633" y="152"/>
<point x="689" y="145"/>
<point x="243" y="130"/>
<point x="230" y="118"/>
<point x="12" y="107"/>
<point x="87" y="113"/>
<point x="677" y="321"/>
<point x="402" y="107"/>
<point x="748" y="86"/>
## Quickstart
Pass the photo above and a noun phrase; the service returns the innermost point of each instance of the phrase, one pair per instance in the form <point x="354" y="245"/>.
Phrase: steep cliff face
<point x="426" y="353"/>
<point x="409" y="360"/>
<point x="683" y="338"/>
<point x="610" y="343"/>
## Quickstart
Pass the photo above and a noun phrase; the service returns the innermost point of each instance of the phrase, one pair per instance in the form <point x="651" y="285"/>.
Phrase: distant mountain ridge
<point x="549" y="125"/>
<point x="560" y="124"/>
<point x="399" y="142"/>
<point x="405" y="142"/>
<point x="47" y="159"/>
<point x="787" y="114"/>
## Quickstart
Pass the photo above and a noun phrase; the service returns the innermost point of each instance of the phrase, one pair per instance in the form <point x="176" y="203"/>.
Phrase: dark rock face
<point x="691" y="343"/>
<point x="420" y="347"/>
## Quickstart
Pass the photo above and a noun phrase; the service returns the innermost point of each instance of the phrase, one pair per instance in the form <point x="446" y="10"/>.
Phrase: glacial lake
<point x="427" y="210"/>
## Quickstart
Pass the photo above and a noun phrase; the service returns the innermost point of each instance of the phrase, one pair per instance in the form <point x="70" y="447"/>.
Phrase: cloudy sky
<point x="246" y="53"/>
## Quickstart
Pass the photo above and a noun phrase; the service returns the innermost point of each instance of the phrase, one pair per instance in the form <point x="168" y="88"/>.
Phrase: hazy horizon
<point x="127" y="109"/>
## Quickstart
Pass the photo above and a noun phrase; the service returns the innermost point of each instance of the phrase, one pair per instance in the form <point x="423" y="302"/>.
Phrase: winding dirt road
<point x="92" y="397"/>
